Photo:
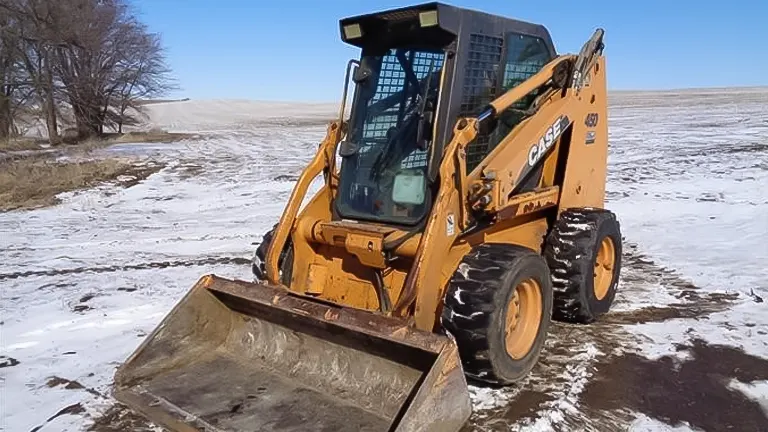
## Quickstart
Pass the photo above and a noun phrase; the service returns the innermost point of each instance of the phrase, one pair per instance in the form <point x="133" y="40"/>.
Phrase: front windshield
<point x="386" y="179"/>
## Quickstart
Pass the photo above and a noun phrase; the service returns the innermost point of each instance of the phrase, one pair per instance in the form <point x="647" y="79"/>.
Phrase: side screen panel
<point x="479" y="88"/>
<point x="522" y="56"/>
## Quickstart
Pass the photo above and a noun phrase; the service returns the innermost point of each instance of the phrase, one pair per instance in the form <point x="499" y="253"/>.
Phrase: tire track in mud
<point x="562" y="392"/>
<point x="128" y="267"/>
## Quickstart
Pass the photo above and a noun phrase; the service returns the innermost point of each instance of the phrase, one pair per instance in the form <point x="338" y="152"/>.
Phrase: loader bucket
<point x="241" y="356"/>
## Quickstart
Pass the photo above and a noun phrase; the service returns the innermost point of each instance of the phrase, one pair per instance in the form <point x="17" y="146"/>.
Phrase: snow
<point x="485" y="398"/>
<point x="173" y="216"/>
<point x="687" y="176"/>
<point x="646" y="424"/>
<point x="456" y="296"/>
<point x="688" y="184"/>
<point x="577" y="375"/>
<point x="757" y="391"/>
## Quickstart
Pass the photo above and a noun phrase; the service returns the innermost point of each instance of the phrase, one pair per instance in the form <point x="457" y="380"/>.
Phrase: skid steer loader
<point x="462" y="208"/>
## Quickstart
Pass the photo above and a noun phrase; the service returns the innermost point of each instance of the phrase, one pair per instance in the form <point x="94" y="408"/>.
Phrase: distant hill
<point x="158" y="101"/>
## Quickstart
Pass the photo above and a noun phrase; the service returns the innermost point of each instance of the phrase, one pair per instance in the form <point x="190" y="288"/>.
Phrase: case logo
<point x="538" y="150"/>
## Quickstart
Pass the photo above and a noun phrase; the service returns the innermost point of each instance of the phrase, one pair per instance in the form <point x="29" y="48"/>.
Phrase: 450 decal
<point x="538" y="150"/>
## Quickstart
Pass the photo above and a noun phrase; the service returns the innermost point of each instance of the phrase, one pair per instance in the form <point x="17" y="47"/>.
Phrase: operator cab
<point x="420" y="69"/>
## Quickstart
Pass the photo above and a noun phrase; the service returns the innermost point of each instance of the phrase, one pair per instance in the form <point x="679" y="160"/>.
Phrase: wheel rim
<point x="523" y="318"/>
<point x="604" y="263"/>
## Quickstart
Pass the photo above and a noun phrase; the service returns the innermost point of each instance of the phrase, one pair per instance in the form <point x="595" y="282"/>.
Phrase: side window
<point x="526" y="55"/>
<point x="481" y="80"/>
<point x="523" y="57"/>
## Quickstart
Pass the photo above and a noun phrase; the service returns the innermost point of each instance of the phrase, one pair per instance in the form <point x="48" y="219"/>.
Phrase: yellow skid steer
<point x="466" y="212"/>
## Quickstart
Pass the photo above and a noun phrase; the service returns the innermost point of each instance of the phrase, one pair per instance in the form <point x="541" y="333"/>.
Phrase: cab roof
<point x="450" y="22"/>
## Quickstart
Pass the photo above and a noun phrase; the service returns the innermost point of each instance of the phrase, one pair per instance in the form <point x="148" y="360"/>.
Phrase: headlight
<point x="352" y="31"/>
<point x="428" y="18"/>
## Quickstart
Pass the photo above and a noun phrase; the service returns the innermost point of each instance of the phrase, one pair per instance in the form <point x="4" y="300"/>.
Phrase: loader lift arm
<point x="490" y="189"/>
<point x="565" y="75"/>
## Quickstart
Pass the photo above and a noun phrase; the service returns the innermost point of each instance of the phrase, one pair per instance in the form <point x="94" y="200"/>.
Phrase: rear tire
<point x="492" y="283"/>
<point x="285" y="261"/>
<point x="583" y="252"/>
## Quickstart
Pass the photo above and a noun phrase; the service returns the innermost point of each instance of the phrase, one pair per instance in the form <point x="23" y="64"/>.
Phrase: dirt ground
<point x="693" y="391"/>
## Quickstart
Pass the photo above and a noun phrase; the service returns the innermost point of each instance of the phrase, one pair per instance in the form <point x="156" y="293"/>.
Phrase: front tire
<point x="498" y="307"/>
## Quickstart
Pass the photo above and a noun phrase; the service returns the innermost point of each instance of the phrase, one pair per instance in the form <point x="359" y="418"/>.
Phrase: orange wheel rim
<point x="524" y="314"/>
<point x="604" y="263"/>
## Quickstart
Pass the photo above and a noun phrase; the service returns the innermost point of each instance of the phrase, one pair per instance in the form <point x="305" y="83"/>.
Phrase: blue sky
<point x="291" y="50"/>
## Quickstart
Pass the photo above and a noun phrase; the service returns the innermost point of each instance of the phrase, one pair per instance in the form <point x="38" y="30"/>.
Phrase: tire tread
<point x="569" y="253"/>
<point x="470" y="301"/>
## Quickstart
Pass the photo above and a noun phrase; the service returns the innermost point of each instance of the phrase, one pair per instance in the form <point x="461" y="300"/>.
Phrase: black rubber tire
<point x="570" y="251"/>
<point x="475" y="308"/>
<point x="285" y="261"/>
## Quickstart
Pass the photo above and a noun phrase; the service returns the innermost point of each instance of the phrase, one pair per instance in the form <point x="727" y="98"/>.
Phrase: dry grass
<point x="126" y="138"/>
<point x="145" y="137"/>
<point x="153" y="136"/>
<point x="18" y="144"/>
<point x="34" y="182"/>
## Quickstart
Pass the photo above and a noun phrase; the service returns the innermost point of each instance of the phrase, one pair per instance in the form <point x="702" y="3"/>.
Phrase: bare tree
<point x="108" y="66"/>
<point x="35" y="39"/>
<point x="10" y="79"/>
<point x="143" y="75"/>
<point x="91" y="56"/>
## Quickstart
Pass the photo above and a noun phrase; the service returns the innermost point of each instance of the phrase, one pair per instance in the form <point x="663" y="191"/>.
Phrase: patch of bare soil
<point x="214" y="260"/>
<point x="639" y="272"/>
<point x="120" y="418"/>
<point x="69" y="385"/>
<point x="20" y="144"/>
<point x="56" y="381"/>
<point x="73" y="409"/>
<point x="186" y="170"/>
<point x="286" y="178"/>
<point x="693" y="391"/>
<point x="152" y="136"/>
<point x="6" y="361"/>
<point x="82" y="306"/>
<point x="563" y="367"/>
<point x="33" y="182"/>
<point x="698" y="307"/>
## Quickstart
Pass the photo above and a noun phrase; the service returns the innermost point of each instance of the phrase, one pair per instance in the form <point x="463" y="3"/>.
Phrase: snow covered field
<point x="686" y="347"/>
